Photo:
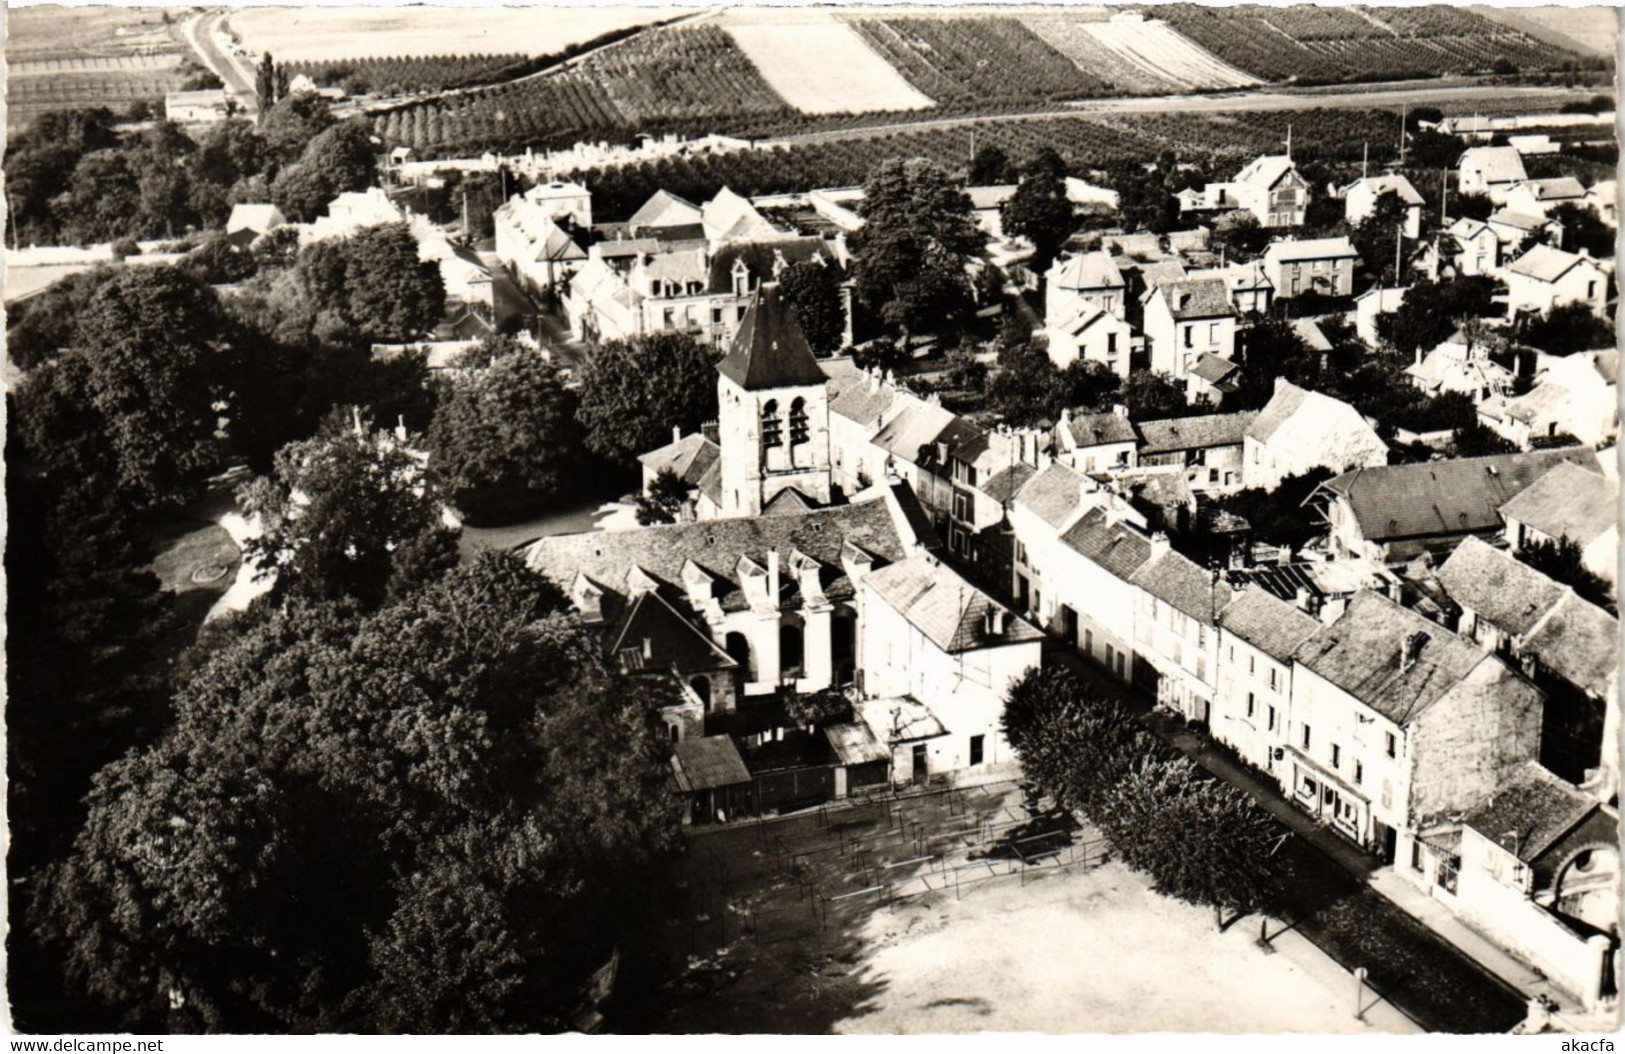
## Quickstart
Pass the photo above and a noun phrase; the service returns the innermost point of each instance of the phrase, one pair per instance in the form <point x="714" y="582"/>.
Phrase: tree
<point x="1028" y="390"/>
<point x="1279" y="516"/>
<point x="504" y="438"/>
<point x="339" y="514"/>
<point x="1433" y="310"/>
<point x="634" y="392"/>
<point x="1239" y="235"/>
<point x="1271" y="348"/>
<point x="103" y="198"/>
<point x="965" y="371"/>
<point x="916" y="240"/>
<point x="291" y="124"/>
<point x="1378" y="237"/>
<point x="152" y="340"/>
<point x="265" y="85"/>
<point x="371" y="286"/>
<point x="43" y="325"/>
<point x="1470" y="206"/>
<point x="1039" y="209"/>
<point x="1150" y="395"/>
<point x="813" y="289"/>
<point x="1090" y="384"/>
<point x="1477" y="440"/>
<point x="339" y="159"/>
<point x="1567" y="329"/>
<point x="883" y="354"/>
<point x="990" y="167"/>
<point x="1563" y="561"/>
<point x="663" y="500"/>
<point x="220" y="261"/>
<point x="1584" y="230"/>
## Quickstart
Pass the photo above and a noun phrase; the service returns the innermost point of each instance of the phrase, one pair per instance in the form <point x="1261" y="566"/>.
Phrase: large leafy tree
<point x="813" y="288"/>
<point x="917" y="237"/>
<point x="292" y="123"/>
<point x="504" y="437"/>
<point x="633" y="392"/>
<point x="1584" y="229"/>
<point x="1433" y="310"/>
<point x="1151" y="395"/>
<point x="371" y="286"/>
<point x="1271" y="348"/>
<point x="1378" y="236"/>
<point x="341" y="158"/>
<point x="1567" y="329"/>
<point x="434" y="818"/>
<point x="345" y="515"/>
<point x="1039" y="210"/>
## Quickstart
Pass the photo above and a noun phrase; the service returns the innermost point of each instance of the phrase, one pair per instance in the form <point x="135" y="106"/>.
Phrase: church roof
<point x="770" y="351"/>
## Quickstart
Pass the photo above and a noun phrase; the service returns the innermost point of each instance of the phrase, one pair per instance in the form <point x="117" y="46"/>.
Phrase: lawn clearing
<point x="327" y="34"/>
<point x="797" y="56"/>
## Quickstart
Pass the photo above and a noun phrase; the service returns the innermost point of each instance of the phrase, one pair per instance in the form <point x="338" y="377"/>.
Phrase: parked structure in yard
<point x="1299" y="430"/>
<point x="1317" y="265"/>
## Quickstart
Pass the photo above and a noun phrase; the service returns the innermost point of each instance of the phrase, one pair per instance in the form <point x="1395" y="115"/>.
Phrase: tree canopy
<point x="371" y="286"/>
<point x="917" y="237"/>
<point x="1039" y="209"/>
<point x="1432" y="311"/>
<point x="633" y="392"/>
<point x="813" y="289"/>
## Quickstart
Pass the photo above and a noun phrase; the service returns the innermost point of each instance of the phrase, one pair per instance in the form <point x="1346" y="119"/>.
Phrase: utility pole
<point x="1403" y="111"/>
<point x="1365" y="158"/>
<point x="1399" y="250"/>
<point x="1444" y="196"/>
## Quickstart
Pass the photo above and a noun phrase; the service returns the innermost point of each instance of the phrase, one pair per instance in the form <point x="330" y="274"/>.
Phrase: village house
<point x="1360" y="200"/>
<point x="1044" y="506"/>
<point x="1603" y="199"/>
<point x="860" y="404"/>
<point x="1538" y="197"/>
<point x="1544" y="278"/>
<point x="1462" y="364"/>
<point x="1299" y="430"/>
<point x="205" y="106"/>
<point x="1491" y="171"/>
<point x="257" y="219"/>
<point x="1176" y="639"/>
<point x="1212" y="378"/>
<point x="1185" y="320"/>
<point x="936" y="658"/>
<point x="1209" y="447"/>
<point x="690" y="458"/>
<point x="1397" y="724"/>
<point x="1250" y="288"/>
<point x="1093" y="600"/>
<point x="1514" y="229"/>
<point x="529" y="241"/>
<point x="1372" y="304"/>
<point x="1394" y="513"/>
<point x="1324" y="266"/>
<point x="1572" y="501"/>
<point x="1466" y="247"/>
<point x="1096" y="442"/>
<point x="1575" y="395"/>
<point x="1269" y="188"/>
<point x="351" y="211"/>
<point x="1083" y="280"/>
<point x="1258" y="633"/>
<point x="1093" y="334"/>
<point x="1537" y="871"/>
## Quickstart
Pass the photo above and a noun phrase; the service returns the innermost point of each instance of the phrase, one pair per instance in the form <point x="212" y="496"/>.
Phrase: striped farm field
<point x="820" y="65"/>
<point x="979" y="61"/>
<point x="1138" y="54"/>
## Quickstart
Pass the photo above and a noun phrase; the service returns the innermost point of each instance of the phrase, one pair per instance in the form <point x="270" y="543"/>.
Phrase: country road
<point x="200" y="33"/>
<point x="1342" y="97"/>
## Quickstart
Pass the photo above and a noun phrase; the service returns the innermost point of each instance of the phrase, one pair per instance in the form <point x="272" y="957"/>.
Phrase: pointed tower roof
<point x="770" y="351"/>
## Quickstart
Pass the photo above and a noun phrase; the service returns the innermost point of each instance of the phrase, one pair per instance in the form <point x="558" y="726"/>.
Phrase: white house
<point x="1575" y="395"/>
<point x="1316" y="265"/>
<point x="1603" y="199"/>
<point x="1270" y="188"/>
<point x="1176" y="629"/>
<point x="1544" y="278"/>
<point x="1096" y="442"/>
<point x="936" y="658"/>
<point x="561" y="200"/>
<point x="1491" y="171"/>
<point x="351" y="211"/>
<point x="1467" y="247"/>
<point x="1513" y="229"/>
<point x="259" y="219"/>
<point x="1360" y="200"/>
<point x="1093" y="334"/>
<point x="1083" y="280"/>
<point x="532" y="245"/>
<point x="1185" y="320"/>
<point x="1092" y="600"/>
<point x="1573" y="502"/>
<point x="1462" y="363"/>
<point x="1538" y="197"/>
<point x="1258" y="632"/>
<point x="1250" y="288"/>
<point x="1299" y="430"/>
<point x="1371" y="304"/>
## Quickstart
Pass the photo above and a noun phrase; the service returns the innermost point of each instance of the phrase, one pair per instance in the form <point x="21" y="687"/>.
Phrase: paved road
<point x="200" y="33"/>
<point x="1341" y="98"/>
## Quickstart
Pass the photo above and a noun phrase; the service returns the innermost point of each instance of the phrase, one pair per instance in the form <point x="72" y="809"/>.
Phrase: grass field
<point x="325" y="34"/>
<point x="1588" y="30"/>
<point x="796" y="50"/>
<point x="63" y="57"/>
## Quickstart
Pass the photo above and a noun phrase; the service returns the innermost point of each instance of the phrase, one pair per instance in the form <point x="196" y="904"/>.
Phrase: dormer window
<point x="798" y="421"/>
<point x="741" y="277"/>
<point x="771" y="426"/>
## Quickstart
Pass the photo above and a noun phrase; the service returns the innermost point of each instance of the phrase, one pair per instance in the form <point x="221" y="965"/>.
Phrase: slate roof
<point x="678" y="267"/>
<point x="705" y="763"/>
<point x="1529" y="811"/>
<point x="760" y="259"/>
<point x="1162" y="272"/>
<point x="949" y="611"/>
<point x="1569" y="501"/>
<point x="1003" y="484"/>
<point x="606" y="557"/>
<point x="1499" y="164"/>
<point x="1091" y="270"/>
<point x="1198" y="298"/>
<point x="1544" y="263"/>
<point x="675" y="643"/>
<point x="1215" y="369"/>
<point x="1498" y="586"/>
<point x="1052" y="494"/>
<point x="1187" y="587"/>
<point x="788" y="502"/>
<point x="1579" y="642"/>
<point x="1311" y="249"/>
<point x="769" y="350"/>
<point x="1270" y="624"/>
<point x="1557" y="189"/>
<point x="915" y="426"/>
<point x="1202" y="432"/>
<point x="1266" y="171"/>
<point x="1381" y="185"/>
<point x="1117" y="548"/>
<point x="1459" y="496"/>
<point x="1361" y="654"/>
<point x="1098" y="429"/>
<point x="858" y="401"/>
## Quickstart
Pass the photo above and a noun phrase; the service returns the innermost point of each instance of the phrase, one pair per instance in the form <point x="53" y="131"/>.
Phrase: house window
<point x="798" y="421"/>
<point x="1273" y="672"/>
<point x="1359" y="773"/>
<point x="771" y="434"/>
<point x="976" y="743"/>
<point x="1190" y="336"/>
<point x="1393" y="746"/>
<point x="1306" y="737"/>
<point x="716" y="316"/>
<point x="1111" y="344"/>
<point x="1416" y="856"/>
<point x="1249" y="704"/>
<point x="1272" y="719"/>
<point x="1337" y="755"/>
<point x="962" y="505"/>
<point x="1201" y="635"/>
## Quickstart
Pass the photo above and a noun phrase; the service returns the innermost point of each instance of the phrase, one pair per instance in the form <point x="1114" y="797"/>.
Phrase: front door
<point x="919" y="763"/>
<point x="1069" y="625"/>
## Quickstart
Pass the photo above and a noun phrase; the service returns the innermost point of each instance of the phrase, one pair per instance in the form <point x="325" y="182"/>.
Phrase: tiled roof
<point x="691" y="457"/>
<point x="1003" y="484"/>
<point x="1556" y="189"/>
<point x="1311" y="249"/>
<point x="760" y="259"/>
<point x="769" y="350"/>
<point x="1098" y="429"/>
<point x="916" y="426"/>
<point x="1286" y="401"/>
<point x="1091" y="270"/>
<point x="1381" y="185"/>
<point x="949" y="611"/>
<point x="1544" y="263"/>
<point x="1185" y="586"/>
<point x="674" y="642"/>
<point x="1459" y="496"/>
<point x="1198" y="298"/>
<point x="1202" y="432"/>
<point x="1162" y="272"/>
<point x="1529" y="811"/>
<point x="1499" y="164"/>
<point x="1215" y="369"/>
<point x="1266" y="171"/>
<point x="1569" y="501"/>
<point x="864" y="403"/>
<point x="1361" y="653"/>
<point x="1117" y="548"/>
<point x="1267" y="622"/>
<point x="704" y="763"/>
<point x="1053" y="494"/>
<point x="1579" y="642"/>
<point x="606" y="557"/>
<point x="1498" y="586"/>
<point x="677" y="267"/>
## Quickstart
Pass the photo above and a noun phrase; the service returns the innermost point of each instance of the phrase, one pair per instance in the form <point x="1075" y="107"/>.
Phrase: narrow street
<point x="1331" y="898"/>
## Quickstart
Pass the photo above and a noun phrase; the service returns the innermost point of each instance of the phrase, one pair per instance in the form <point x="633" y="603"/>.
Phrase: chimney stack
<point x="773" y="576"/>
<point x="1305" y="600"/>
<point x="676" y="433"/>
<point x="1159" y="545"/>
